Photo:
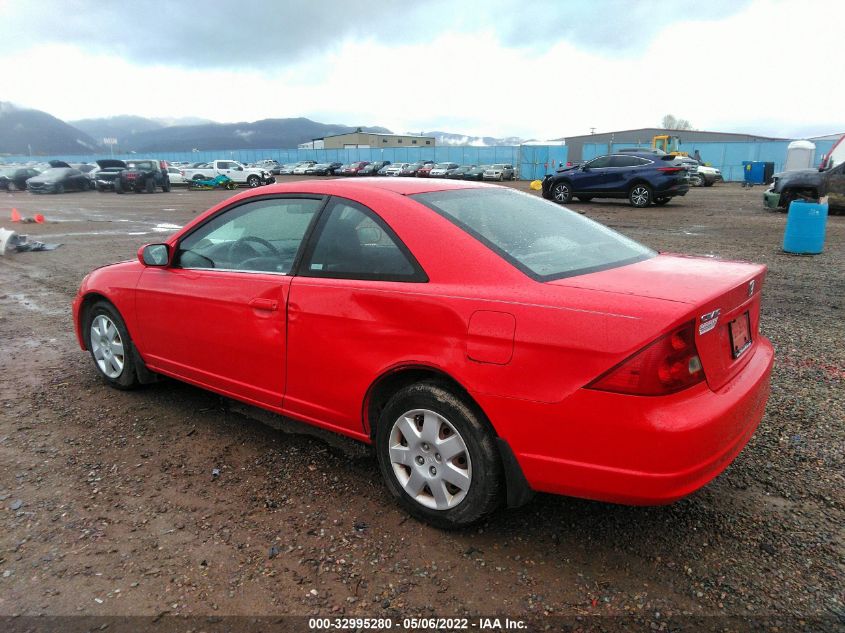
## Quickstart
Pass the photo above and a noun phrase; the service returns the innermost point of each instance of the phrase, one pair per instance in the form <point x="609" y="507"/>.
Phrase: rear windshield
<point x="542" y="239"/>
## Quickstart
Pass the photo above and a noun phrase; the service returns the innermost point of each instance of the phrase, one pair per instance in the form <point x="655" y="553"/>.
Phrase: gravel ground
<point x="108" y="504"/>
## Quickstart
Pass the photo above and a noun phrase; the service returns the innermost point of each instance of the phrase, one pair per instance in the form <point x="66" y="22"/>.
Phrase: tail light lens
<point x="671" y="170"/>
<point x="667" y="365"/>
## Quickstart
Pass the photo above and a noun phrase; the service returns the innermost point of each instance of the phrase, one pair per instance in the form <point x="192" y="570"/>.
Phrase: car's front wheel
<point x="111" y="348"/>
<point x="640" y="196"/>
<point x="253" y="181"/>
<point x="437" y="457"/>
<point x="562" y="192"/>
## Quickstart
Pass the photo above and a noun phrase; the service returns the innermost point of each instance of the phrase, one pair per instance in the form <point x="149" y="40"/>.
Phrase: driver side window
<point x="259" y="236"/>
<point x="601" y="161"/>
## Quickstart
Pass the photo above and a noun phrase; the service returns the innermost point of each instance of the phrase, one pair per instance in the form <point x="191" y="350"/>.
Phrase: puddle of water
<point x="29" y="304"/>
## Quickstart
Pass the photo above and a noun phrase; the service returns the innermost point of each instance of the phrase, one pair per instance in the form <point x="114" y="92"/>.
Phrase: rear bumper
<point x="631" y="449"/>
<point x="674" y="190"/>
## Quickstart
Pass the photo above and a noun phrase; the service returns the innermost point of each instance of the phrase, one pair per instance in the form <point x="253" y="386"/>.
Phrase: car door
<point x="348" y="313"/>
<point x="621" y="171"/>
<point x="593" y="176"/>
<point x="216" y="315"/>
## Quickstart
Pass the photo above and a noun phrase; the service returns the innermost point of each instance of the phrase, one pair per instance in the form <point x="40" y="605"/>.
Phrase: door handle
<point x="264" y="304"/>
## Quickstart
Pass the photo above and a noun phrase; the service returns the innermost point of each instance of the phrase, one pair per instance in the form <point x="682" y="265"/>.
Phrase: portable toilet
<point x="800" y="155"/>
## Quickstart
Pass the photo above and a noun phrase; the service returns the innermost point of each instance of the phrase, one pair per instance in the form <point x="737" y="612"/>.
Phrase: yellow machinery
<point x="669" y="144"/>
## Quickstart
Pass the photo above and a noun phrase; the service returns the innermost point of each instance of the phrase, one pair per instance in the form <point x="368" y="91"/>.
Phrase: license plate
<point x="740" y="331"/>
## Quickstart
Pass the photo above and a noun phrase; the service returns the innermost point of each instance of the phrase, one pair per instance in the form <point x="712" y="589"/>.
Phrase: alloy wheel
<point x="107" y="346"/>
<point x="561" y="192"/>
<point x="640" y="196"/>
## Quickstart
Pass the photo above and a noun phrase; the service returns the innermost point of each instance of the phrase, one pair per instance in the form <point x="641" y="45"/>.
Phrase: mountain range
<point x="26" y="131"/>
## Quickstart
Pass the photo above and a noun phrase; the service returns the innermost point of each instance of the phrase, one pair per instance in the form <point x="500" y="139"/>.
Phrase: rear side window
<point x="627" y="161"/>
<point x="351" y="242"/>
<point x="542" y="239"/>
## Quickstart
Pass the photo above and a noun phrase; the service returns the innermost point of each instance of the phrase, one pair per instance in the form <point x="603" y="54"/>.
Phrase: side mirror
<point x="585" y="168"/>
<point x="154" y="255"/>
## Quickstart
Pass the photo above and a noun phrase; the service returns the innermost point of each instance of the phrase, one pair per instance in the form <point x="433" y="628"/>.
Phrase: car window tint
<point x="353" y="243"/>
<point x="626" y="161"/>
<point x="263" y="235"/>
<point x="540" y="238"/>
<point x="601" y="161"/>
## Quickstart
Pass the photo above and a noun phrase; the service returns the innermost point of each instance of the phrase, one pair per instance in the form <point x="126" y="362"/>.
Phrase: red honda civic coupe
<point x="486" y="342"/>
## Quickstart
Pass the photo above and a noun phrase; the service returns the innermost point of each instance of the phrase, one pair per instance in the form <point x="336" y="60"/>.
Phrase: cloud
<point x="535" y="70"/>
<point x="268" y="34"/>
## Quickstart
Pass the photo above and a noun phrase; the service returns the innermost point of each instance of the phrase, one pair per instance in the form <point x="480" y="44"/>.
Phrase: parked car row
<point x="419" y="169"/>
<point x="139" y="175"/>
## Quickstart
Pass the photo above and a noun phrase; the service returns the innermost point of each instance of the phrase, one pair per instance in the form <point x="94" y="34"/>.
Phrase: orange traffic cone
<point x="39" y="218"/>
<point x="16" y="217"/>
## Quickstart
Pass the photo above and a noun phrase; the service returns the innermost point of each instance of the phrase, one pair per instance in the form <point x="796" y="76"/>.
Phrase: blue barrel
<point x="805" y="227"/>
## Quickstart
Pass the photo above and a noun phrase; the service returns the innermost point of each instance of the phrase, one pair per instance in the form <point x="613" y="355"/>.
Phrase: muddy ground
<point x="108" y="505"/>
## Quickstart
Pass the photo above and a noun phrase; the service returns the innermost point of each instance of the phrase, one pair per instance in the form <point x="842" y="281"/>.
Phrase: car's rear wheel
<point x="640" y="195"/>
<point x="661" y="200"/>
<point x="437" y="457"/>
<point x="60" y="188"/>
<point x="111" y="348"/>
<point x="562" y="192"/>
<point x="253" y="181"/>
<point x="698" y="180"/>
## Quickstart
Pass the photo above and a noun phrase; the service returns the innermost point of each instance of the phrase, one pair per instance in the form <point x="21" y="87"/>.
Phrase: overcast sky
<point x="530" y="68"/>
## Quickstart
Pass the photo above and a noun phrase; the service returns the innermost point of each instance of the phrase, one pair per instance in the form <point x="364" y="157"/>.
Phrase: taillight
<point x="671" y="170"/>
<point x="667" y="365"/>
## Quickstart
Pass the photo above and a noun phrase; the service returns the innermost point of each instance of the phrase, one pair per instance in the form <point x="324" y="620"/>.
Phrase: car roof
<point x="401" y="186"/>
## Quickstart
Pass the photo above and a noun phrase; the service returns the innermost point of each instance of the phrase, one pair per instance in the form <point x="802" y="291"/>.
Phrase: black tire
<point x="640" y="195"/>
<point x="484" y="492"/>
<point x="118" y="186"/>
<point x="698" y="181"/>
<point x="150" y="185"/>
<point x="562" y="192"/>
<point x="128" y="376"/>
<point x="709" y="183"/>
<point x="60" y="188"/>
<point x="253" y="182"/>
<point x="585" y="198"/>
<point x="661" y="200"/>
<point x="100" y="188"/>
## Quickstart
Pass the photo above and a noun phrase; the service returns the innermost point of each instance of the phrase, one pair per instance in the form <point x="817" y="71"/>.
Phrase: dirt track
<point x="119" y="512"/>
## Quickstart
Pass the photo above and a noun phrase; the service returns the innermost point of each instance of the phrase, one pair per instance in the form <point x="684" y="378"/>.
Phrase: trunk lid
<point x="723" y="297"/>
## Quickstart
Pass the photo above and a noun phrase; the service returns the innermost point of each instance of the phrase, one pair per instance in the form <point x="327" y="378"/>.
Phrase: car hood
<point x="110" y="162"/>
<point x="797" y="172"/>
<point x="42" y="179"/>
